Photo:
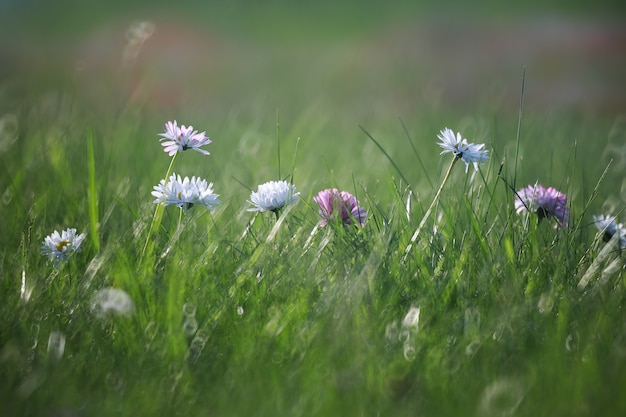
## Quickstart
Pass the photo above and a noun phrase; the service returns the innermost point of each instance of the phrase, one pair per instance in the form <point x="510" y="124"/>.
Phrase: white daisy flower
<point x="610" y="227"/>
<point x="468" y="152"/>
<point x="272" y="196"/>
<point x="59" y="246"/>
<point x="185" y="193"/>
<point x="179" y="139"/>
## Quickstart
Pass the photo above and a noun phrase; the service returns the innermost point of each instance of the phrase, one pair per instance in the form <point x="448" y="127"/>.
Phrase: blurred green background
<point x="327" y="67"/>
<point x="370" y="56"/>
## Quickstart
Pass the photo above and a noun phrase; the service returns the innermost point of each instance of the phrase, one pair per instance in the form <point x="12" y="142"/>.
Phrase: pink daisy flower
<point x="334" y="204"/>
<point x="546" y="202"/>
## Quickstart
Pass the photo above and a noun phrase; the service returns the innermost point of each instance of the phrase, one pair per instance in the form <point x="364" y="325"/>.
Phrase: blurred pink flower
<point x="331" y="200"/>
<point x="546" y="202"/>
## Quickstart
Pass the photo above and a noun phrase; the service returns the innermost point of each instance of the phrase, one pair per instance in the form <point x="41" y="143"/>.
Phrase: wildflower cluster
<point x="334" y="205"/>
<point x="186" y="192"/>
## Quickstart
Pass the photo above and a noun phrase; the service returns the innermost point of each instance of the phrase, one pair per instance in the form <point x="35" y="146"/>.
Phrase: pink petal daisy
<point x="179" y="139"/>
<point x="331" y="201"/>
<point x="546" y="202"/>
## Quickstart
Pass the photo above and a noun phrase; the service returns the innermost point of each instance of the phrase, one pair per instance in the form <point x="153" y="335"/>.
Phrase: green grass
<point x="242" y="314"/>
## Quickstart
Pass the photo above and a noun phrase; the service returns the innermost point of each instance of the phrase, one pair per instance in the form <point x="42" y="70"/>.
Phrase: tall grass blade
<point x="92" y="194"/>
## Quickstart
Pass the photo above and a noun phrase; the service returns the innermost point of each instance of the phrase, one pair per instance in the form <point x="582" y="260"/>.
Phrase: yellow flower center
<point x="62" y="244"/>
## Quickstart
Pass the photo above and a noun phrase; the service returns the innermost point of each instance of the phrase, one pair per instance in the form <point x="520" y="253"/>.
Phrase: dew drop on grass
<point x="202" y="335"/>
<point x="472" y="348"/>
<point x="189" y="310"/>
<point x="196" y="346"/>
<point x="34" y="330"/>
<point x="56" y="345"/>
<point x="190" y="325"/>
<point x="501" y="398"/>
<point x="409" y="351"/>
<point x="571" y="342"/>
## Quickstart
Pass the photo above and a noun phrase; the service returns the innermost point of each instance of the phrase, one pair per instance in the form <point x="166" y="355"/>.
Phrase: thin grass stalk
<point x="427" y="214"/>
<point x="158" y="211"/>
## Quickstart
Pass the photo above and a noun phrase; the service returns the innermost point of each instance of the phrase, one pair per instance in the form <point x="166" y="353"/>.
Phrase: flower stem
<point x="158" y="211"/>
<point x="427" y="214"/>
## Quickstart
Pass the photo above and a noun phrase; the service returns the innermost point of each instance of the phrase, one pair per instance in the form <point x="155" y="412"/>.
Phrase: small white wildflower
<point x="179" y="139"/>
<point x="609" y="225"/>
<point x="468" y="152"/>
<point x="111" y="301"/>
<point x="273" y="195"/>
<point x="412" y="319"/>
<point x="185" y="193"/>
<point x="59" y="246"/>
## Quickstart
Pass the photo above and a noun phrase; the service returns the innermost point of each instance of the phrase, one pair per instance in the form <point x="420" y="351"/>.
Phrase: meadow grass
<point x="240" y="313"/>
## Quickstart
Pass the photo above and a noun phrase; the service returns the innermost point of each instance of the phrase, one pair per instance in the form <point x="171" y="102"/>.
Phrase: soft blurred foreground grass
<point x="236" y="313"/>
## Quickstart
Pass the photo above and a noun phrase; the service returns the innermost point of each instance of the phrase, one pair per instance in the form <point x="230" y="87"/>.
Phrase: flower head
<point x="334" y="204"/>
<point x="272" y="196"/>
<point x="59" y="246"/>
<point x="179" y="139"/>
<point x="610" y="227"/>
<point x="185" y="193"/>
<point x="468" y="152"/>
<point x="546" y="202"/>
<point x="111" y="301"/>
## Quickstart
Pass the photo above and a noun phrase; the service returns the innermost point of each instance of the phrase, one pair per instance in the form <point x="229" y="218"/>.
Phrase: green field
<point x="238" y="313"/>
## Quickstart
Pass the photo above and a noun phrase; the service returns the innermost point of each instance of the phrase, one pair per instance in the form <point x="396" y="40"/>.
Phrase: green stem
<point x="427" y="214"/>
<point x="174" y="305"/>
<point x="158" y="211"/>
